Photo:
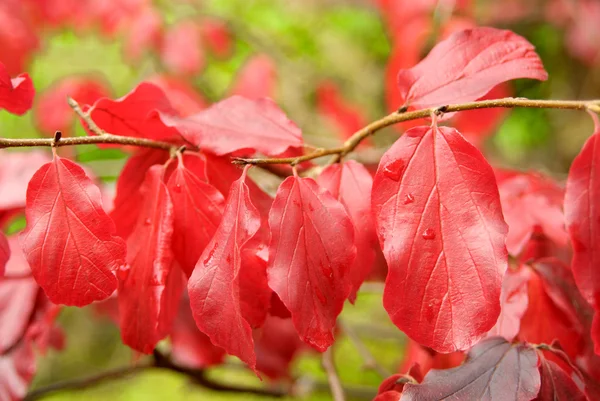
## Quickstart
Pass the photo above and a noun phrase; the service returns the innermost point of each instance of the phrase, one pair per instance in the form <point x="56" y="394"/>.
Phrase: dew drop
<point x="429" y="234"/>
<point x="409" y="198"/>
<point x="394" y="170"/>
<point x="147" y="221"/>
<point x="177" y="188"/>
<point x="123" y="273"/>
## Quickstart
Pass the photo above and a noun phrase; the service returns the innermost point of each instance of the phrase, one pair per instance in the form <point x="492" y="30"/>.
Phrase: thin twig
<point x="401" y="116"/>
<point x="335" y="384"/>
<point x="369" y="361"/>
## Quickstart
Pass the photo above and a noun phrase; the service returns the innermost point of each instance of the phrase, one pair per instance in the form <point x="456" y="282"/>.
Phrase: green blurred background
<point x="348" y="43"/>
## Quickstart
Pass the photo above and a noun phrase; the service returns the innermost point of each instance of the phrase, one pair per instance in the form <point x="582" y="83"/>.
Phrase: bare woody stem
<point x="335" y="384"/>
<point x="401" y="116"/>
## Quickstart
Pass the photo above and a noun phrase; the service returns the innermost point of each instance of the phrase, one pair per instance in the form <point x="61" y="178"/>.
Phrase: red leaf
<point x="136" y="114"/>
<point x="439" y="222"/>
<point x="16" y="94"/>
<point x="198" y="209"/>
<point x="468" y="65"/>
<point x="582" y="215"/>
<point x="186" y="100"/>
<point x="310" y="254"/>
<point x="4" y="253"/>
<point x="189" y="346"/>
<point x="143" y="33"/>
<point x="345" y="117"/>
<point x="238" y="123"/>
<point x="215" y="284"/>
<point x="513" y="303"/>
<point x="351" y="183"/>
<point x="276" y="345"/>
<point x="256" y="79"/>
<point x="428" y="359"/>
<point x="18" y="36"/>
<point x="388" y="396"/>
<point x="127" y="201"/>
<point x="596" y="332"/>
<point x="150" y="289"/>
<point x="530" y="201"/>
<point x="52" y="113"/>
<point x="494" y="370"/>
<point x="215" y="34"/>
<point x="17" y="369"/>
<point x="70" y="242"/>
<point x="16" y="170"/>
<point x="556" y="384"/>
<point x="181" y="50"/>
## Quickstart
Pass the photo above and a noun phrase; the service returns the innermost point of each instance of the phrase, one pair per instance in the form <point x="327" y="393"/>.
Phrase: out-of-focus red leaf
<point x="237" y="123"/>
<point x="596" y="332"/>
<point x="477" y="125"/>
<point x="52" y="113"/>
<point x="582" y="216"/>
<point x="584" y="33"/>
<point x="556" y="384"/>
<point x="136" y="114"/>
<point x="550" y="314"/>
<point x="198" y="209"/>
<point x="351" y="184"/>
<point x="388" y="396"/>
<point x="276" y="346"/>
<point x="128" y="198"/>
<point x="150" y="289"/>
<point x="16" y="169"/>
<point x="468" y="65"/>
<point x="428" y="359"/>
<point x="189" y="346"/>
<point x="70" y="242"/>
<point x="440" y="225"/>
<point x="143" y="33"/>
<point x="494" y="370"/>
<point x="256" y="79"/>
<point x="528" y="201"/>
<point x="18" y="36"/>
<point x="216" y="36"/>
<point x="255" y="294"/>
<point x="215" y="284"/>
<point x="513" y="303"/>
<point x="346" y="118"/>
<point x="185" y="99"/>
<point x="277" y="308"/>
<point x="4" y="253"/>
<point x="310" y="255"/>
<point x="182" y="52"/>
<point x="16" y="94"/>
<point x="17" y="368"/>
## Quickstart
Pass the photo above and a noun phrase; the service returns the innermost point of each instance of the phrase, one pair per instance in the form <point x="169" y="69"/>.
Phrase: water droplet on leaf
<point x="429" y="234"/>
<point x="177" y="188"/>
<point x="409" y="198"/>
<point x="147" y="221"/>
<point x="394" y="170"/>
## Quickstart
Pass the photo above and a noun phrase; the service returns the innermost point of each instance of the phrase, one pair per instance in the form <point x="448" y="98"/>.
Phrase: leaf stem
<point x="401" y="116"/>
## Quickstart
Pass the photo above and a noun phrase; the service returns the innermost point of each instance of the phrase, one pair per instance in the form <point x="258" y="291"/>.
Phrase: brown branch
<point x="401" y="116"/>
<point x="335" y="384"/>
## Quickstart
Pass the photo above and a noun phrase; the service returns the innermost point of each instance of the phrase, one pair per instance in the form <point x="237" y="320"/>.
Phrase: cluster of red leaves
<point x="262" y="276"/>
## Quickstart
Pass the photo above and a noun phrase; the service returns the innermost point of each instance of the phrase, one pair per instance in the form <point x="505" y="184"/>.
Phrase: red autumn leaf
<point x="276" y="346"/>
<point x="150" y="289"/>
<point x="551" y="314"/>
<point x="52" y="113"/>
<point x="136" y="114"/>
<point x="494" y="370"/>
<point x="427" y="359"/>
<point x="16" y="169"/>
<point x="310" y="254"/>
<point x="4" y="253"/>
<point x="189" y="346"/>
<point x="215" y="34"/>
<point x="351" y="184"/>
<point x="215" y="284"/>
<point x="128" y="198"/>
<point x="16" y="94"/>
<point x="255" y="294"/>
<point x="198" y="209"/>
<point x="513" y="303"/>
<point x="596" y="332"/>
<point x="346" y="118"/>
<point x="18" y="36"/>
<point x="256" y="79"/>
<point x="237" y="123"/>
<point x="583" y="34"/>
<point x="439" y="222"/>
<point x="17" y="368"/>
<point x="186" y="100"/>
<point x="556" y="384"/>
<point x="144" y="32"/>
<point x="468" y="65"/>
<point x="530" y="201"/>
<point x="70" y="242"/>
<point x="583" y="216"/>
<point x="181" y="50"/>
